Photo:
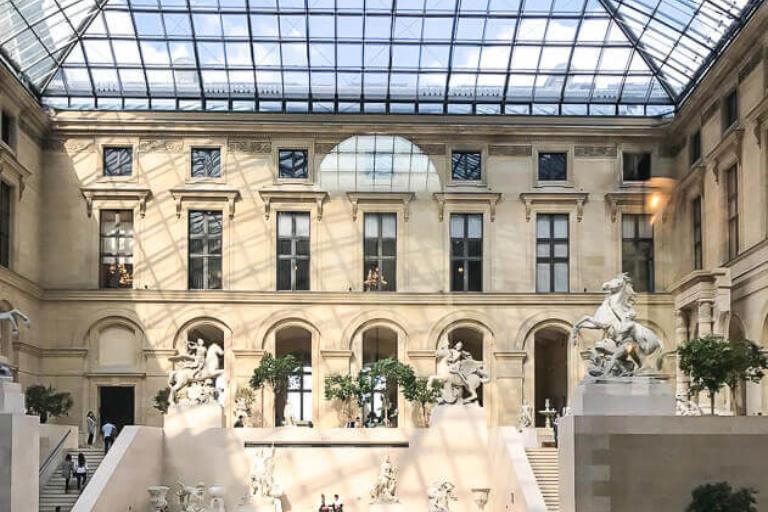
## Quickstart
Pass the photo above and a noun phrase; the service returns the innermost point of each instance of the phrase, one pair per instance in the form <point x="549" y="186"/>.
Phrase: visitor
<point x="555" y="425"/>
<point x="109" y="431"/>
<point x="90" y="419"/>
<point x="66" y="471"/>
<point x="81" y="470"/>
<point x="323" y="506"/>
<point x="239" y="422"/>
<point x="338" y="505"/>
<point x="358" y="422"/>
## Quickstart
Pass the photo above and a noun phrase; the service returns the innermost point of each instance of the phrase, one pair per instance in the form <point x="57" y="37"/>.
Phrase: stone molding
<point x="271" y="197"/>
<point x="521" y="150"/>
<point x="432" y="149"/>
<point x="138" y="195"/>
<point x="619" y="200"/>
<point x="531" y="199"/>
<point x="161" y="145"/>
<point x="595" y="151"/>
<point x="70" y="145"/>
<point x="402" y="199"/>
<point x="758" y="117"/>
<point x="12" y="170"/>
<point x="490" y="199"/>
<point x="726" y="151"/>
<point x="228" y="196"/>
<point x="250" y="146"/>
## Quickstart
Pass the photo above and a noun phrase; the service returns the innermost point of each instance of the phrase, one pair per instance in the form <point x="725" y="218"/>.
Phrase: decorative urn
<point x="480" y="497"/>
<point x="157" y="500"/>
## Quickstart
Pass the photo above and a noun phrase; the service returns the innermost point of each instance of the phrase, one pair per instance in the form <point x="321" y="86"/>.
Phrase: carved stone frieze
<point x="251" y="146"/>
<point x="80" y="145"/>
<point x="323" y="148"/>
<point x="432" y="149"/>
<point x="161" y="145"/>
<point x="510" y="150"/>
<point x="595" y="152"/>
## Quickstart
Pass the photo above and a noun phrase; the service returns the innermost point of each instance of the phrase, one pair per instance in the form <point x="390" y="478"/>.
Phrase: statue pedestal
<point x="386" y="507"/>
<point x="258" y="505"/>
<point x="11" y="397"/>
<point x="625" y="396"/>
<point x="193" y="417"/>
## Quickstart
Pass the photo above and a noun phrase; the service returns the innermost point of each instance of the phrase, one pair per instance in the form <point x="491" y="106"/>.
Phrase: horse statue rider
<point x="458" y="373"/>
<point x="627" y="345"/>
<point x="199" y="365"/>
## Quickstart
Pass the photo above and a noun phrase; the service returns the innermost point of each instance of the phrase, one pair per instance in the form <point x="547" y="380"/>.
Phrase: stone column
<point x="331" y="361"/>
<point x="509" y="385"/>
<point x="705" y="317"/>
<point x="681" y="335"/>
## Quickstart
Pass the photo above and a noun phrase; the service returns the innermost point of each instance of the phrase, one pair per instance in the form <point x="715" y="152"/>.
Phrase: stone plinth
<point x="11" y="397"/>
<point x="258" y="505"/>
<point x="386" y="507"/>
<point x="631" y="396"/>
<point x="20" y="456"/>
<point x="193" y="418"/>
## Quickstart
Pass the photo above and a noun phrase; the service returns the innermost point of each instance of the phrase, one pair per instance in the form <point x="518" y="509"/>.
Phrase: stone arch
<point x="368" y="319"/>
<point x="179" y="339"/>
<point x="260" y="339"/>
<point x="466" y="319"/>
<point x="115" y="343"/>
<point x="536" y="322"/>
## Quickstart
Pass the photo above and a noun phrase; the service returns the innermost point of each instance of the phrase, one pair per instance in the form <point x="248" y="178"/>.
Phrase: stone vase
<point x="480" y="497"/>
<point x="216" y="492"/>
<point x="157" y="499"/>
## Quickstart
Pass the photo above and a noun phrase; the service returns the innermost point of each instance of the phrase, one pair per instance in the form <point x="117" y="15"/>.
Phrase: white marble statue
<point x="263" y="485"/>
<point x="12" y="317"/>
<point x="627" y="346"/>
<point x="458" y="373"/>
<point x="686" y="406"/>
<point x="526" y="417"/>
<point x="385" y="489"/>
<point x="288" y="419"/>
<point x="199" y="378"/>
<point x="157" y="498"/>
<point x="193" y="498"/>
<point x="440" y="496"/>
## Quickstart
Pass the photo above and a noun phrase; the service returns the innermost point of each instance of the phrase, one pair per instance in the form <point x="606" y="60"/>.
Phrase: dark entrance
<point x="116" y="405"/>
<point x="551" y="378"/>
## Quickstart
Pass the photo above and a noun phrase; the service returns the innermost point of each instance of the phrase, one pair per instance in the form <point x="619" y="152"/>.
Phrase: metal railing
<point x="54" y="452"/>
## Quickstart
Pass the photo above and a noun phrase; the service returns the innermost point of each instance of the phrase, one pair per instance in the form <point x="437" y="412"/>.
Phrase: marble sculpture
<point x="199" y="377"/>
<point x="459" y="373"/>
<point x="384" y="491"/>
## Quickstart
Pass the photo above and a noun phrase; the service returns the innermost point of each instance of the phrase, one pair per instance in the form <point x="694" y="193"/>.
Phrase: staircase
<point x="545" y="468"/>
<point x="53" y="495"/>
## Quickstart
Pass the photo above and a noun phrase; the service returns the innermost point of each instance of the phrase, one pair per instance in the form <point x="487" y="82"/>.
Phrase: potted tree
<point x="161" y="400"/>
<point x="275" y="372"/>
<point x="721" y="497"/>
<point x="424" y="394"/>
<point x="345" y="389"/>
<point x="46" y="402"/>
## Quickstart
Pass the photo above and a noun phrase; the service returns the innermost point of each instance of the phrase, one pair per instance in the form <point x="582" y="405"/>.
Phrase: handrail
<point x="55" y="451"/>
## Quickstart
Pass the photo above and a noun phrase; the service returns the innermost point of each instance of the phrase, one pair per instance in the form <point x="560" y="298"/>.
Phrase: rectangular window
<point x="205" y="250"/>
<point x="6" y="196"/>
<point x="553" y="166"/>
<point x="465" y="166"/>
<point x="116" y="257"/>
<point x="636" y="166"/>
<point x="7" y="126"/>
<point x="118" y="161"/>
<point x="380" y="252"/>
<point x="695" y="148"/>
<point x="466" y="252"/>
<point x="206" y="163"/>
<point x="552" y="253"/>
<point x="292" y="251"/>
<point x="733" y="213"/>
<point x="293" y="164"/>
<point x="730" y="109"/>
<point x="698" y="255"/>
<point x="299" y="393"/>
<point x="637" y="251"/>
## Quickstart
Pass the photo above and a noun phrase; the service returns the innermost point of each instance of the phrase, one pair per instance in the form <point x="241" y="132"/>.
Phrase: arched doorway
<point x="297" y="342"/>
<point x="551" y="370"/>
<point x="472" y="341"/>
<point x="381" y="407"/>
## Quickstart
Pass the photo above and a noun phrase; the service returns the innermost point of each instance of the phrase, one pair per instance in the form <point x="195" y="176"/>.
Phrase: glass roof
<point x="539" y="57"/>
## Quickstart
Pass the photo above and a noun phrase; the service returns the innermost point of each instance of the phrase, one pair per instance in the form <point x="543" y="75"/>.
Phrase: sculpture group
<point x="199" y="377"/>
<point x="627" y="346"/>
<point x="440" y="496"/>
<point x="263" y="485"/>
<point x="198" y="498"/>
<point x="459" y="374"/>
<point x="385" y="488"/>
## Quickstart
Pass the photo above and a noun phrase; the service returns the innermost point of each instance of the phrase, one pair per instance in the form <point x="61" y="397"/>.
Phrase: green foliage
<point x="713" y="362"/>
<point x="161" y="401"/>
<point x="275" y="371"/>
<point x="346" y="389"/>
<point x="420" y="391"/>
<point x="47" y="402"/>
<point x="720" y="497"/>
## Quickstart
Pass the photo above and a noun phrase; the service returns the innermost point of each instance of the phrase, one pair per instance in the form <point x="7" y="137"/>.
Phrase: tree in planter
<point x="161" y="402"/>
<point x="275" y="372"/>
<point x="713" y="362"/>
<point x="420" y="392"/>
<point x="47" y="402"/>
<point x="394" y="373"/>
<point x="720" y="497"/>
<point x="347" y="390"/>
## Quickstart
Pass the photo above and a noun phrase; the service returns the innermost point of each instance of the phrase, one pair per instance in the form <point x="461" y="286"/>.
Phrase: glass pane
<point x="206" y="163"/>
<point x="542" y="250"/>
<point x="371" y="225"/>
<point x="118" y="161"/>
<point x="552" y="166"/>
<point x="475" y="276"/>
<point x="627" y="226"/>
<point x="457" y="276"/>
<point x="302" y="247"/>
<point x="389" y="247"/>
<point x="302" y="275"/>
<point x="196" y="281"/>
<point x="542" y="278"/>
<point x="214" y="273"/>
<point x="389" y="225"/>
<point x="637" y="166"/>
<point x="561" y="226"/>
<point x="475" y="226"/>
<point x="561" y="250"/>
<point x="302" y="224"/>
<point x="389" y="274"/>
<point x="457" y="226"/>
<point x="561" y="277"/>
<point x="284" y="224"/>
<point x="465" y="166"/>
<point x="542" y="226"/>
<point x="284" y="274"/>
<point x="293" y="164"/>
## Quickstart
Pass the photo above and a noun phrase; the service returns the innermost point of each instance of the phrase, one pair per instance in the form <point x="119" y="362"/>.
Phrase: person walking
<point x="109" y="431"/>
<point x="90" y="420"/>
<point x="338" y="505"/>
<point x="67" y="468"/>
<point x="81" y="471"/>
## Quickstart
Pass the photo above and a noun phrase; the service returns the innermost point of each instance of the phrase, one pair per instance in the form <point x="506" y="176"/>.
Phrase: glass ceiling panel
<point x="534" y="57"/>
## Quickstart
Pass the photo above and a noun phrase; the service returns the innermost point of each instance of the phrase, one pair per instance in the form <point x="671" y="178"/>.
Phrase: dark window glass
<point x="7" y="123"/>
<point x="118" y="161"/>
<point x="553" y="166"/>
<point x="695" y="145"/>
<point x="299" y="392"/>
<point x="637" y="166"/>
<point x="466" y="252"/>
<point x="292" y="251"/>
<point x="293" y="164"/>
<point x="698" y="262"/>
<point x="206" y="163"/>
<point x="733" y="213"/>
<point x="205" y="250"/>
<point x="380" y="252"/>
<point x="637" y="251"/>
<point x="731" y="110"/>
<point x="465" y="166"/>
<point x="6" y="196"/>
<point x="116" y="248"/>
<point x="552" y="253"/>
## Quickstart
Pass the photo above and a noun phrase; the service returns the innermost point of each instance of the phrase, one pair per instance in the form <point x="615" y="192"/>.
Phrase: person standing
<point x="67" y="468"/>
<point x="90" y="420"/>
<point x="338" y="505"/>
<point x="109" y="431"/>
<point x="81" y="471"/>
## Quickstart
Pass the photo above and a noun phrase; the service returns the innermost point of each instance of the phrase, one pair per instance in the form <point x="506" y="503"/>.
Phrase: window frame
<point x="6" y="223"/>
<point x="294" y="145"/>
<point x="732" y="211"/>
<point x="636" y="240"/>
<point x="9" y="123"/>
<point x="108" y="147"/>
<point x="698" y="233"/>
<point x="482" y="149"/>
<point x="729" y="123"/>
<point x="552" y="260"/>
<point x="695" y="148"/>
<point x="205" y="147"/>
<point x="102" y="284"/>
<point x="204" y="255"/>
<point x="293" y="257"/>
<point x="465" y="258"/>
<point x="288" y="179"/>
<point x="632" y="151"/>
<point x="380" y="258"/>
<point x="550" y="149"/>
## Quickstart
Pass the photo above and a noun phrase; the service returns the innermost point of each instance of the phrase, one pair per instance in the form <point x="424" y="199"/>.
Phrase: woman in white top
<point x="92" y="424"/>
<point x="81" y="470"/>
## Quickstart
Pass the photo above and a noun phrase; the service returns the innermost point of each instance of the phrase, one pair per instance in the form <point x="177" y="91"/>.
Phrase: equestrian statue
<point x="459" y="374"/>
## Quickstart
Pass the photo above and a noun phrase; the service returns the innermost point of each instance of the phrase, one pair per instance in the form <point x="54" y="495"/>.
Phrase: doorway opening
<point x="551" y="371"/>
<point x="116" y="405"/>
<point x="297" y="399"/>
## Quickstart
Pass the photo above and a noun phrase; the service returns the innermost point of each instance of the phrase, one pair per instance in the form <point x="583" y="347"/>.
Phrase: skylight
<point x="525" y="57"/>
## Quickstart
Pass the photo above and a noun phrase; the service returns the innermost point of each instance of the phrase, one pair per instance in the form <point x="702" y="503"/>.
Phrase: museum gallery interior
<point x="383" y="255"/>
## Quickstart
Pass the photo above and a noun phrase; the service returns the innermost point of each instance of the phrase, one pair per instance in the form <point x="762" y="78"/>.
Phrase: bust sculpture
<point x="459" y="374"/>
<point x="198" y="379"/>
<point x="386" y="484"/>
<point x="440" y="496"/>
<point x="627" y="345"/>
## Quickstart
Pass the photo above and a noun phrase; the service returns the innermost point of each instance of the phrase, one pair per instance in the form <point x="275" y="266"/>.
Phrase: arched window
<point x="386" y="163"/>
<point x="297" y="342"/>
<point x="381" y="406"/>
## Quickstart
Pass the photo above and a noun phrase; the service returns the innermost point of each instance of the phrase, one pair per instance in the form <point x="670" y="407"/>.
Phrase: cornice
<point x="402" y="199"/>
<point x="12" y="169"/>
<point x="29" y="109"/>
<point x="20" y="283"/>
<point x="531" y="199"/>
<point x="270" y="197"/>
<point x="139" y="195"/>
<point x="729" y="145"/>
<point x="205" y="194"/>
<point x="491" y="199"/>
<point x="617" y="200"/>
